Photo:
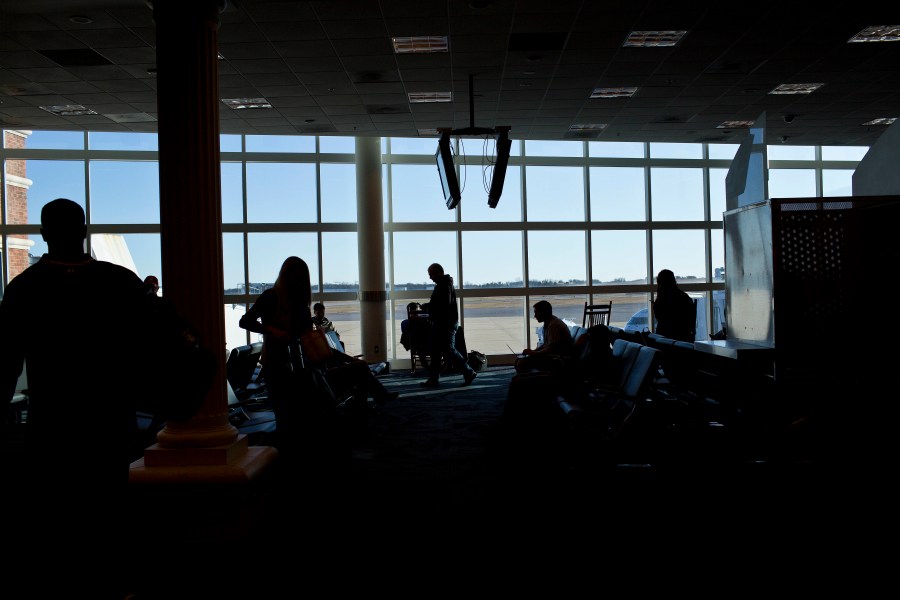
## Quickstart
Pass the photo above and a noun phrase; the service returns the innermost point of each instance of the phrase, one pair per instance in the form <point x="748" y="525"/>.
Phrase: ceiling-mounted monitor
<point x="504" y="144"/>
<point x="449" y="182"/>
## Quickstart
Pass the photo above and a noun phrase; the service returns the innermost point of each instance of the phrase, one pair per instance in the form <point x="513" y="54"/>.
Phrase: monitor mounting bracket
<point x="471" y="129"/>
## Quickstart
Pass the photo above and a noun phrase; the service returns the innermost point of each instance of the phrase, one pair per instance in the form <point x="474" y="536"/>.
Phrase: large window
<point x="576" y="222"/>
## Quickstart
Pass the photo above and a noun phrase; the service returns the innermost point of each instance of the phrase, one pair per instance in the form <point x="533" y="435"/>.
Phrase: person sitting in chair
<point x="323" y="322"/>
<point x="675" y="313"/>
<point x="557" y="343"/>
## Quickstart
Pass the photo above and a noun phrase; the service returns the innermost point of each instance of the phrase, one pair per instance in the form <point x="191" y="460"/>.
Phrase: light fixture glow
<point x="877" y="33"/>
<point x="68" y="110"/>
<point x="588" y="126"/>
<point x="648" y="39"/>
<point x="423" y="97"/>
<point x="796" y="88"/>
<point x="242" y="103"/>
<point x="735" y="124"/>
<point x="420" y="44"/>
<point x="881" y="121"/>
<point x="614" y="92"/>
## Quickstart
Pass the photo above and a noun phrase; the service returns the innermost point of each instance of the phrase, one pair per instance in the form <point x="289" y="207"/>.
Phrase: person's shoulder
<point x="114" y="269"/>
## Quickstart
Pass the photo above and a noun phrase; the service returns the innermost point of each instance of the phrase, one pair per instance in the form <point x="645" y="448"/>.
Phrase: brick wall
<point x="17" y="184"/>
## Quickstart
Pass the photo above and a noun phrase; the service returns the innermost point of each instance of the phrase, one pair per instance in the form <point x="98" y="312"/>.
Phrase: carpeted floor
<point x="431" y="450"/>
<point x="421" y="495"/>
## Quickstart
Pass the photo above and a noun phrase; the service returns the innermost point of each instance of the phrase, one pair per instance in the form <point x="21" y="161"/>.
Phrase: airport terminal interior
<point x="565" y="151"/>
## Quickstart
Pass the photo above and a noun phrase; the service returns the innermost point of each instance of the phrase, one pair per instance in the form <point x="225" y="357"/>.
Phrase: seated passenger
<point x="324" y="323"/>
<point x="674" y="310"/>
<point x="556" y="346"/>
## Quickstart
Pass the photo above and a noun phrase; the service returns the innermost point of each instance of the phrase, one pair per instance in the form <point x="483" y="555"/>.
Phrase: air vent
<point x="75" y="58"/>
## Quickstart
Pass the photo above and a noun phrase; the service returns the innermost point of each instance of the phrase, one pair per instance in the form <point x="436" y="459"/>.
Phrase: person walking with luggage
<point x="443" y="314"/>
<point x="282" y="314"/>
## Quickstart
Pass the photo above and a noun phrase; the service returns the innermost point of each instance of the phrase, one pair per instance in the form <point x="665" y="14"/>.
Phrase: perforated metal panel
<point x="823" y="254"/>
<point x="814" y="275"/>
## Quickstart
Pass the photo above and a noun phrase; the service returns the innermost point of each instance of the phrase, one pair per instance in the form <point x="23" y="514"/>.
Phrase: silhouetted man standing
<point x="77" y="325"/>
<point x="444" y="317"/>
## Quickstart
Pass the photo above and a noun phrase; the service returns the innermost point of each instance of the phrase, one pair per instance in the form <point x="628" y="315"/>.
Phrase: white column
<point x="370" y="236"/>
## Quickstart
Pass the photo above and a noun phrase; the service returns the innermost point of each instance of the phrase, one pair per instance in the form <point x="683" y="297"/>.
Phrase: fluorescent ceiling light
<point x="796" y="88"/>
<point x="68" y="110"/>
<point x="614" y="92"/>
<point x="647" y="39"/>
<point x="588" y="126"/>
<point x="877" y="33"/>
<point x="420" y="97"/>
<point x="420" y="44"/>
<point x="734" y="124"/>
<point x="240" y="103"/>
<point x="881" y="121"/>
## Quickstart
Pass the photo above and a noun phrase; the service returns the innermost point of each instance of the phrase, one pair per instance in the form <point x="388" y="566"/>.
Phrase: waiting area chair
<point x="596" y="314"/>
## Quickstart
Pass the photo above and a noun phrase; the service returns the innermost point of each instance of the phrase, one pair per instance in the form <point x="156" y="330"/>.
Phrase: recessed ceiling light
<point x="877" y="33"/>
<point x="734" y="124"/>
<point x="241" y="103"/>
<point x="648" y="39"/>
<point x="420" y="44"/>
<point x="881" y="121"/>
<point x="68" y="110"/>
<point x="421" y="97"/>
<point x="588" y="126"/>
<point x="796" y="88"/>
<point x="80" y="20"/>
<point x="614" y="92"/>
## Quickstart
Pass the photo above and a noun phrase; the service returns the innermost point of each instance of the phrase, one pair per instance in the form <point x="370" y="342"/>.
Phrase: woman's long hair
<point x="293" y="289"/>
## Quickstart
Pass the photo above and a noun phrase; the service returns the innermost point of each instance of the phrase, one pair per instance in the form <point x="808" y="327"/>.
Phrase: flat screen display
<point x="449" y="182"/>
<point x="504" y="144"/>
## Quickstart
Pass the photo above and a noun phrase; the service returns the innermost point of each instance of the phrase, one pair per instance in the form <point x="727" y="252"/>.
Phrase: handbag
<point x="315" y="346"/>
<point x="477" y="360"/>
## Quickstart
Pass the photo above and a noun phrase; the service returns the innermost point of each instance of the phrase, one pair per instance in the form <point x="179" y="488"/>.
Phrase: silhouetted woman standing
<point x="282" y="314"/>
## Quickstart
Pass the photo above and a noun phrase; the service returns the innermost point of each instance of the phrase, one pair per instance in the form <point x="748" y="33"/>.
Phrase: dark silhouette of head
<point x="542" y="310"/>
<point x="152" y="284"/>
<point x="63" y="227"/>
<point x="293" y="283"/>
<point x="665" y="280"/>
<point x="435" y="271"/>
